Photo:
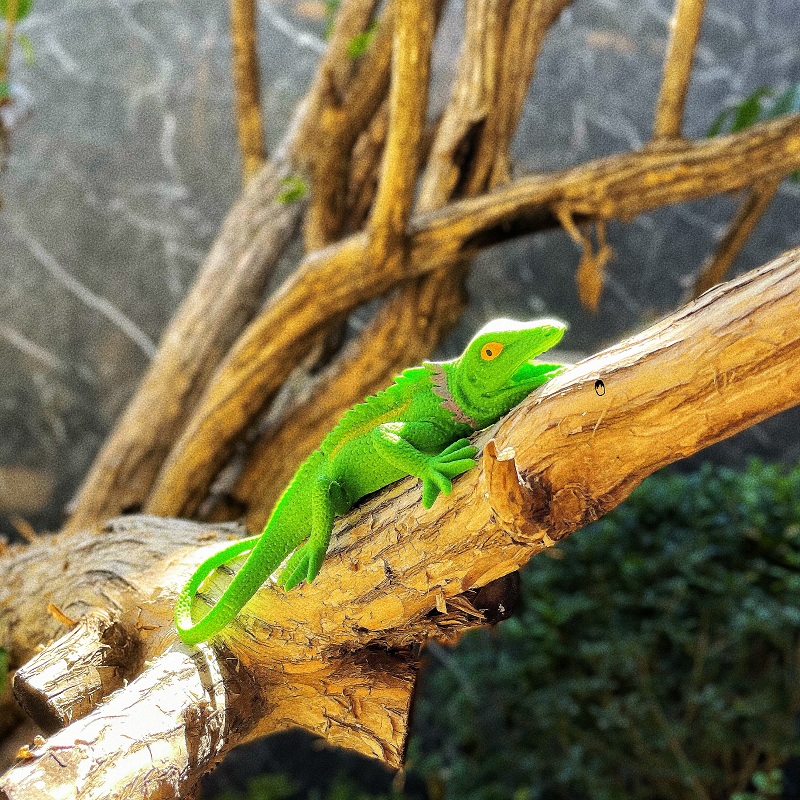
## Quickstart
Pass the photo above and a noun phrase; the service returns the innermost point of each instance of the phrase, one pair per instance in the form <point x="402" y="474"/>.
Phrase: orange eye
<point x="491" y="350"/>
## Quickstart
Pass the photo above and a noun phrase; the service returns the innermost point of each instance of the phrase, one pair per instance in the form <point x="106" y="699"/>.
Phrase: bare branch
<point x="68" y="680"/>
<point x="752" y="208"/>
<point x="247" y="85"/>
<point x="678" y="68"/>
<point x="329" y="134"/>
<point x="415" y="24"/>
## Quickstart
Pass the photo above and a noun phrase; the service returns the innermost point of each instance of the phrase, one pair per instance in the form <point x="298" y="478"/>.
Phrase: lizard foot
<point x="453" y="460"/>
<point x="304" y="565"/>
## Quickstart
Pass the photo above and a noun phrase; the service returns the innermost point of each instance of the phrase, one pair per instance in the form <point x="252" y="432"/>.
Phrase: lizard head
<point x="498" y="368"/>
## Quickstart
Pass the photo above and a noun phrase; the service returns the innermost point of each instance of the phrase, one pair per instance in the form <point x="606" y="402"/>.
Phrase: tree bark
<point x="339" y="657"/>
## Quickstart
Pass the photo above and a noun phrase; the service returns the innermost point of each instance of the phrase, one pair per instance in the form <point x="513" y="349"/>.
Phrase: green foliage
<point x="657" y="657"/>
<point x="331" y="9"/>
<point x="344" y="789"/>
<point x="763" y="104"/>
<point x="293" y="188"/>
<point x="766" y="785"/>
<point x="263" y="787"/>
<point x="20" y="8"/>
<point x="26" y="45"/>
<point x="278" y="787"/>
<point x="360" y="43"/>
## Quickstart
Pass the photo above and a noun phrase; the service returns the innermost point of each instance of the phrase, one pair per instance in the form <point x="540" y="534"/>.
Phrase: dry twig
<point x="751" y="209"/>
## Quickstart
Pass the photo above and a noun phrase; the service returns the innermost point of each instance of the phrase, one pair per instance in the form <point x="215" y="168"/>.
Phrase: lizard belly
<point x="359" y="470"/>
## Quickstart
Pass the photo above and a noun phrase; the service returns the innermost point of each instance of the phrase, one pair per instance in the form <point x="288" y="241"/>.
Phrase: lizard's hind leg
<point x="327" y="496"/>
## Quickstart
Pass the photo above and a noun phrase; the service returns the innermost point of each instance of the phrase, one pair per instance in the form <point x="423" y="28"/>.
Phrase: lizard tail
<point x="261" y="563"/>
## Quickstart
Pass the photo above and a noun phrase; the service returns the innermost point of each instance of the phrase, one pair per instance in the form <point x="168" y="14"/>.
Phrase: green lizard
<point x="418" y="426"/>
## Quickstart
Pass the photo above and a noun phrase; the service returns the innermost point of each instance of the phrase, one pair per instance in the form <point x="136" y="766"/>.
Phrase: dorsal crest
<point x="366" y="414"/>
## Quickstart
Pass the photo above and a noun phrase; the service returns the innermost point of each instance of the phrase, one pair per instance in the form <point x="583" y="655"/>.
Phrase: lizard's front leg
<point x="307" y="560"/>
<point x="403" y="444"/>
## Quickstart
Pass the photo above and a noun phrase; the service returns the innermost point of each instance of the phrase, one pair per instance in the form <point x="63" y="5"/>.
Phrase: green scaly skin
<point x="418" y="426"/>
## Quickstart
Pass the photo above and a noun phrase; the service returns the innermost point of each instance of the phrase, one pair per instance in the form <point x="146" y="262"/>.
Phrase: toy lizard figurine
<point x="418" y="426"/>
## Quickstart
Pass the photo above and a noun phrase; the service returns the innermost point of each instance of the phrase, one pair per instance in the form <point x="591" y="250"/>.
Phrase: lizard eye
<point x="491" y="350"/>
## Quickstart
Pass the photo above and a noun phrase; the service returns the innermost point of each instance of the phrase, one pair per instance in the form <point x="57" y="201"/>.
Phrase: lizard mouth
<point x="534" y="372"/>
<point x="529" y="376"/>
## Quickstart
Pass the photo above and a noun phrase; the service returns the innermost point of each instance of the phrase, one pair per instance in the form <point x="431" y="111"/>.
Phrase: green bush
<point x="657" y="656"/>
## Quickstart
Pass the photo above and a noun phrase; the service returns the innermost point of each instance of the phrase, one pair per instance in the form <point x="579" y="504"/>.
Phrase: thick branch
<point x="316" y="656"/>
<point x="678" y="68"/>
<point x="615" y="187"/>
<point x="717" y="366"/>
<point x="95" y="569"/>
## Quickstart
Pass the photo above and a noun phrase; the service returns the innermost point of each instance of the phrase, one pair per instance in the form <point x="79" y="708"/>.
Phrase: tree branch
<point x="347" y="98"/>
<point x="678" y="68"/>
<point x="247" y="86"/>
<point x="415" y="24"/>
<point x="336" y="656"/>
<point x="752" y="208"/>
<point x="619" y="186"/>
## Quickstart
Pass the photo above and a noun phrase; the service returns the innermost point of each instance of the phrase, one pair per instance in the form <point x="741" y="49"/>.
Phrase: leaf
<point x="787" y="102"/>
<point x="720" y="122"/>
<point x="331" y="7"/>
<point x="752" y="109"/>
<point x="748" y="112"/>
<point x="5" y="92"/>
<point x="756" y="108"/>
<point x="26" y="45"/>
<point x="293" y="188"/>
<point x="18" y="8"/>
<point x="360" y="43"/>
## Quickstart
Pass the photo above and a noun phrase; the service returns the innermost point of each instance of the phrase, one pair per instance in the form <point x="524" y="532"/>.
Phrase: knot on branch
<point x="520" y="508"/>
